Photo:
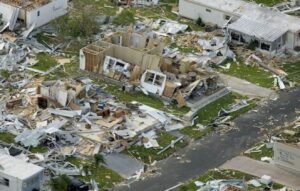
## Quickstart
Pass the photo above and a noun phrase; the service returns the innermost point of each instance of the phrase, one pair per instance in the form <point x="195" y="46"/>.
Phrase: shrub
<point x="253" y="45"/>
<point x="200" y="22"/>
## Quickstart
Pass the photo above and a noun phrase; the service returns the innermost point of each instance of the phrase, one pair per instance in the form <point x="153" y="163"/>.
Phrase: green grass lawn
<point x="102" y="175"/>
<point x="125" y="18"/>
<point x="69" y="70"/>
<point x="158" y="12"/>
<point x="150" y="155"/>
<point x="45" y="62"/>
<point x="7" y="137"/>
<point x="220" y="174"/>
<point x="265" y="152"/>
<point x="210" y="112"/>
<point x="293" y="70"/>
<point x="104" y="7"/>
<point x="255" y="75"/>
<point x="39" y="149"/>
<point x="195" y="133"/>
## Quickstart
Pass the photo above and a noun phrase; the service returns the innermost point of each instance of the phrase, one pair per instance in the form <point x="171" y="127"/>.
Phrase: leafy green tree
<point x="126" y="17"/>
<point x="83" y="24"/>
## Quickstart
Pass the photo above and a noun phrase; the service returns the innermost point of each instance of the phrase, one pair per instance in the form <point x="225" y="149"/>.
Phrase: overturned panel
<point x="154" y="82"/>
<point x="287" y="156"/>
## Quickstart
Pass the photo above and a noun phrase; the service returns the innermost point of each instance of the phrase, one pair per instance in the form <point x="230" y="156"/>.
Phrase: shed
<point x="18" y="175"/>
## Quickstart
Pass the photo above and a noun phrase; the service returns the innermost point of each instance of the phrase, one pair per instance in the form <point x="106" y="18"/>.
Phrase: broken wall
<point x="6" y="11"/>
<point x="292" y="40"/>
<point x="137" y="41"/>
<point x="92" y="57"/>
<point x="156" y="49"/>
<point x="144" y="60"/>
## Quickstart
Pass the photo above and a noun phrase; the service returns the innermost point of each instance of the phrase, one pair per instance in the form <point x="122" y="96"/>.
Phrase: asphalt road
<point x="214" y="150"/>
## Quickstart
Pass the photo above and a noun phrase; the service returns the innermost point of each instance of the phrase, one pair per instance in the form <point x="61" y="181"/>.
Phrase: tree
<point x="200" y="22"/>
<point x="81" y="24"/>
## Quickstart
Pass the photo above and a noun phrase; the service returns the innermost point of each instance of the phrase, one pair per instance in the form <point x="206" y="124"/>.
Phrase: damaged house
<point x="268" y="30"/>
<point x="136" y="60"/>
<point x="30" y="13"/>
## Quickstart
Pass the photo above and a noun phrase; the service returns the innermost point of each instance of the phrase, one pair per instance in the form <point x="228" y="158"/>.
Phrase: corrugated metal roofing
<point x="262" y="31"/>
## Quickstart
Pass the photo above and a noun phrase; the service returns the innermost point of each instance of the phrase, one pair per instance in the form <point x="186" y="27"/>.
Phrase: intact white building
<point x="17" y="175"/>
<point x="273" y="31"/>
<point x="31" y="13"/>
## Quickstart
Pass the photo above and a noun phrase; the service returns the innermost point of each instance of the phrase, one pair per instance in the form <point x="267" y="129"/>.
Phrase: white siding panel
<point x="6" y="11"/>
<point x="47" y="13"/>
<point x="194" y="11"/>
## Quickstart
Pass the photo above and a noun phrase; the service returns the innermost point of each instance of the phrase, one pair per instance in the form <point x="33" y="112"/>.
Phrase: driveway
<point x="258" y="168"/>
<point x="246" y="88"/>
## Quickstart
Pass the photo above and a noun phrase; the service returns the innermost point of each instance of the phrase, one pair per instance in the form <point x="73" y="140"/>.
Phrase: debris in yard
<point x="265" y="179"/>
<point x="199" y="184"/>
<point x="266" y="159"/>
<point x="171" y="145"/>
<point x="254" y="149"/>
<point x="222" y="185"/>
<point x="235" y="107"/>
<point x="167" y="27"/>
<point x="254" y="182"/>
<point x="78" y="88"/>
<point x="253" y="59"/>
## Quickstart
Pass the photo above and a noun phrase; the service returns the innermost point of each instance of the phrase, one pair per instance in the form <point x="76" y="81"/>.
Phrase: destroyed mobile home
<point x="98" y="118"/>
<point x="78" y="118"/>
<point x="137" y="61"/>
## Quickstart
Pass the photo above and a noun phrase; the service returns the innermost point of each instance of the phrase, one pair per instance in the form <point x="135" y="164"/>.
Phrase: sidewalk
<point x="246" y="88"/>
<point x="258" y="168"/>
